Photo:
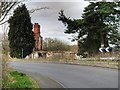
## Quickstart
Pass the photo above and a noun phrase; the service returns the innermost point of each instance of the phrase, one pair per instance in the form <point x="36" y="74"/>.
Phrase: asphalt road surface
<point x="71" y="76"/>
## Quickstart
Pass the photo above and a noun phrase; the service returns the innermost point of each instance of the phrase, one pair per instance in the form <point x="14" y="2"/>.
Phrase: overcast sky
<point x="48" y="18"/>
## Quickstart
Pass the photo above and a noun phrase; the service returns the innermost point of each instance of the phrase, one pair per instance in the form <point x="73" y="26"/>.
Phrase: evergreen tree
<point x="98" y="26"/>
<point x="21" y="36"/>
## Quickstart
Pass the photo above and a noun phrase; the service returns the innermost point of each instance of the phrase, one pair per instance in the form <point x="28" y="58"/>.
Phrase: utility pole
<point x="47" y="45"/>
<point x="22" y="46"/>
<point x="22" y="52"/>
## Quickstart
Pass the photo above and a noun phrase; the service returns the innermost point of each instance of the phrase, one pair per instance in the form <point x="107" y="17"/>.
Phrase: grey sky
<point x="48" y="18"/>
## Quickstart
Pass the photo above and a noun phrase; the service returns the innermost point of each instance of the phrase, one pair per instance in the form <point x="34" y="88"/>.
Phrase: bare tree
<point x="55" y="45"/>
<point x="36" y="9"/>
<point x="5" y="8"/>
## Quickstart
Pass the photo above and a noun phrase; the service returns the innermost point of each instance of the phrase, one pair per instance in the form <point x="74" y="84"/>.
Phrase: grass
<point x="17" y="79"/>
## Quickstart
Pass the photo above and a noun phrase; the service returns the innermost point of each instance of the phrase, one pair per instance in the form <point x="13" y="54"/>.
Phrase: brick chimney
<point x="38" y="37"/>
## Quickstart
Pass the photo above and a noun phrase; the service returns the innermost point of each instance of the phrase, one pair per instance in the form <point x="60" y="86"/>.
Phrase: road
<point x="71" y="76"/>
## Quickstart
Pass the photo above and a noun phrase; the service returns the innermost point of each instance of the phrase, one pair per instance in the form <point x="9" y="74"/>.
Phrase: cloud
<point x="48" y="18"/>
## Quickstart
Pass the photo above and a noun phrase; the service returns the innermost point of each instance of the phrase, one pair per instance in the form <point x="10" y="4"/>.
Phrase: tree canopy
<point x="55" y="45"/>
<point x="98" y="26"/>
<point x="21" y="36"/>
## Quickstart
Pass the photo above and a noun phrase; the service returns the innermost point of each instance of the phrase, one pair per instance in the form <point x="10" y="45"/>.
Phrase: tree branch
<point x="7" y="11"/>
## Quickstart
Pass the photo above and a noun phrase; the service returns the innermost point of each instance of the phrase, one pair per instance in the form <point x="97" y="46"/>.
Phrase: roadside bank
<point x="18" y="80"/>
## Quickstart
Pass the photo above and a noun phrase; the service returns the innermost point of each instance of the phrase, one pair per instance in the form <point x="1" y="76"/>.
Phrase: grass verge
<point x="18" y="80"/>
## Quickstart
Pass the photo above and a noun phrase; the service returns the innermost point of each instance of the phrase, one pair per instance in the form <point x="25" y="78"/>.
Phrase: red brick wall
<point x="38" y="38"/>
<point x="36" y="28"/>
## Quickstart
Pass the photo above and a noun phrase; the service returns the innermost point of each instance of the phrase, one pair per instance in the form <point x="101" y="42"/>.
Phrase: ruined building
<point x="38" y="38"/>
<point x="39" y="53"/>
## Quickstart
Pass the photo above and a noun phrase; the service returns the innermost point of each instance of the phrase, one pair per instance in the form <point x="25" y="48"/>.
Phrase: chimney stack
<point x="38" y="37"/>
